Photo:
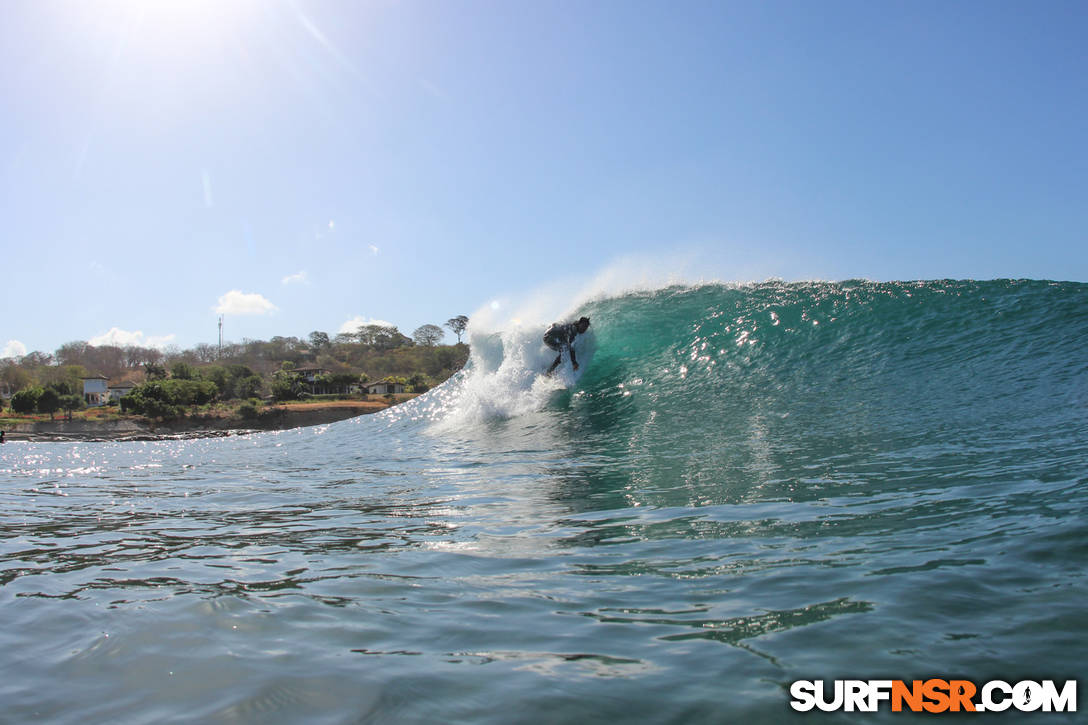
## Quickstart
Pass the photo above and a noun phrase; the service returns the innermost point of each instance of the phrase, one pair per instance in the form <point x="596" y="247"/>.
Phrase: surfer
<point x="561" y="337"/>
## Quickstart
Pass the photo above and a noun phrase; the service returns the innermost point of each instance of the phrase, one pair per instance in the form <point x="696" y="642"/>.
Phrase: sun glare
<point x="149" y="29"/>
<point x="187" y="22"/>
<point x="158" y="59"/>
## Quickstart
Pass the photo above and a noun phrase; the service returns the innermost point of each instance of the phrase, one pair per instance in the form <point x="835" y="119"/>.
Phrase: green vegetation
<point x="49" y="402"/>
<point x="54" y="396"/>
<point x="168" y="398"/>
<point x="286" y="385"/>
<point x="171" y="383"/>
<point x="71" y="403"/>
<point x="26" y="400"/>
<point x="249" y="410"/>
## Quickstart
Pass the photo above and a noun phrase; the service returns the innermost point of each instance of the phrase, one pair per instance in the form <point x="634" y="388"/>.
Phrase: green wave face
<point x="714" y="392"/>
<point x="788" y="392"/>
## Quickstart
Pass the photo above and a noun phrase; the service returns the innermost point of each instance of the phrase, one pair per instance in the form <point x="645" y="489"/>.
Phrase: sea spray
<point x="505" y="378"/>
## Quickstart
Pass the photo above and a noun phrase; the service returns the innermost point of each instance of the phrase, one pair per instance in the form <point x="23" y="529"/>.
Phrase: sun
<point x="151" y="29"/>
<point x="146" y="59"/>
<point x="182" y="22"/>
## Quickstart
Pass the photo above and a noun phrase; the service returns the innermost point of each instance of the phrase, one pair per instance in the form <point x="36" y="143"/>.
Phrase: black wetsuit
<point x="559" y="338"/>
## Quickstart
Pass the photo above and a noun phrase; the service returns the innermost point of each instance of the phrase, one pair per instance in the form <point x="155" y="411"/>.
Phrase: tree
<point x="284" y="348"/>
<point x="60" y="387"/>
<point x="108" y="360"/>
<point x="154" y="371"/>
<point x="167" y="398"/>
<point x="382" y="337"/>
<point x="72" y="353"/>
<point x="182" y="371"/>
<point x="25" y="401"/>
<point x="136" y="356"/>
<point x="319" y="340"/>
<point x="65" y="379"/>
<point x="286" y="385"/>
<point x="458" y="324"/>
<point x="428" y="335"/>
<point x="49" y="402"/>
<point x="248" y="387"/>
<point x="36" y="359"/>
<point x="229" y="378"/>
<point x="15" y="376"/>
<point x="418" y="383"/>
<point x="248" y="410"/>
<point x="72" y="402"/>
<point x="218" y="375"/>
<point x="205" y="352"/>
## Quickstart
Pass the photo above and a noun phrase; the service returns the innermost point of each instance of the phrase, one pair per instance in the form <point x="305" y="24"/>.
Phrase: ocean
<point x="742" y="486"/>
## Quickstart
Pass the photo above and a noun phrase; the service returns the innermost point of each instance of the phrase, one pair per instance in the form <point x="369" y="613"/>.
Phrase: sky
<point x="301" y="165"/>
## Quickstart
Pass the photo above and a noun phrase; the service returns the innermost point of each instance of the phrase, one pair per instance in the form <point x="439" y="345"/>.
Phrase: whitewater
<point x="744" y="485"/>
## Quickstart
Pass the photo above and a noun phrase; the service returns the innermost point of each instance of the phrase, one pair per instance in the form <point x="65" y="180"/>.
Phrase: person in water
<point x="561" y="337"/>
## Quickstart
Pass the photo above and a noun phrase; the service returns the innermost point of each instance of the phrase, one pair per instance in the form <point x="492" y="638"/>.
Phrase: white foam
<point x="504" y="377"/>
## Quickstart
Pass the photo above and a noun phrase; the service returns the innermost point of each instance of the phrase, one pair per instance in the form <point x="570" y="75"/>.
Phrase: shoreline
<point x="282" y="417"/>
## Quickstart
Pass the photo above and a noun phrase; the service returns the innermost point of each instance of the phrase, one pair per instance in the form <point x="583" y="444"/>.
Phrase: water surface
<point x="746" y="486"/>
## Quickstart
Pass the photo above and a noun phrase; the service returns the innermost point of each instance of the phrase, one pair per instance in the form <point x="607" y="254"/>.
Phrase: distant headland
<point x="108" y="392"/>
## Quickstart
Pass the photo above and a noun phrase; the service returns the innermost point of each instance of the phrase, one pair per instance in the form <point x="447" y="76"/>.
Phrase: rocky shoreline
<point x="278" y="418"/>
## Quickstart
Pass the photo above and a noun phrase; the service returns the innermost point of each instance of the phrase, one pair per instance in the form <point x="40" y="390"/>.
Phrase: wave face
<point x="743" y="486"/>
<point x="738" y="381"/>
<point x="765" y="386"/>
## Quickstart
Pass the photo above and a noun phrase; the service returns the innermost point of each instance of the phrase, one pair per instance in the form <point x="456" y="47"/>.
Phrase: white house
<point x="384" y="387"/>
<point x="96" y="390"/>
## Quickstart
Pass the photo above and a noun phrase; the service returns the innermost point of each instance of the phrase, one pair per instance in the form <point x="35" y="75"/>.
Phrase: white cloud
<point x="296" y="278"/>
<point x="374" y="250"/>
<point x="358" y="321"/>
<point x="122" y="338"/>
<point x="14" y="348"/>
<point x="332" y="225"/>
<point x="237" y="302"/>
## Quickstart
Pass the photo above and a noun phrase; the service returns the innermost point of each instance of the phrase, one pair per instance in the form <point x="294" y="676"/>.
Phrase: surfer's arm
<point x="573" y="358"/>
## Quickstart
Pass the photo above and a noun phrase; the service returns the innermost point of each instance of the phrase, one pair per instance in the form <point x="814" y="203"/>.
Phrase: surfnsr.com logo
<point x="934" y="695"/>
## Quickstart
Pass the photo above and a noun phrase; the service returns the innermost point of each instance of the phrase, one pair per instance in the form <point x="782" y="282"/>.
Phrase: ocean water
<point x="743" y="486"/>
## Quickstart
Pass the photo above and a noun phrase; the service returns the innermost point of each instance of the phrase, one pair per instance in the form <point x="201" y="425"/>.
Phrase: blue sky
<point x="301" y="164"/>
